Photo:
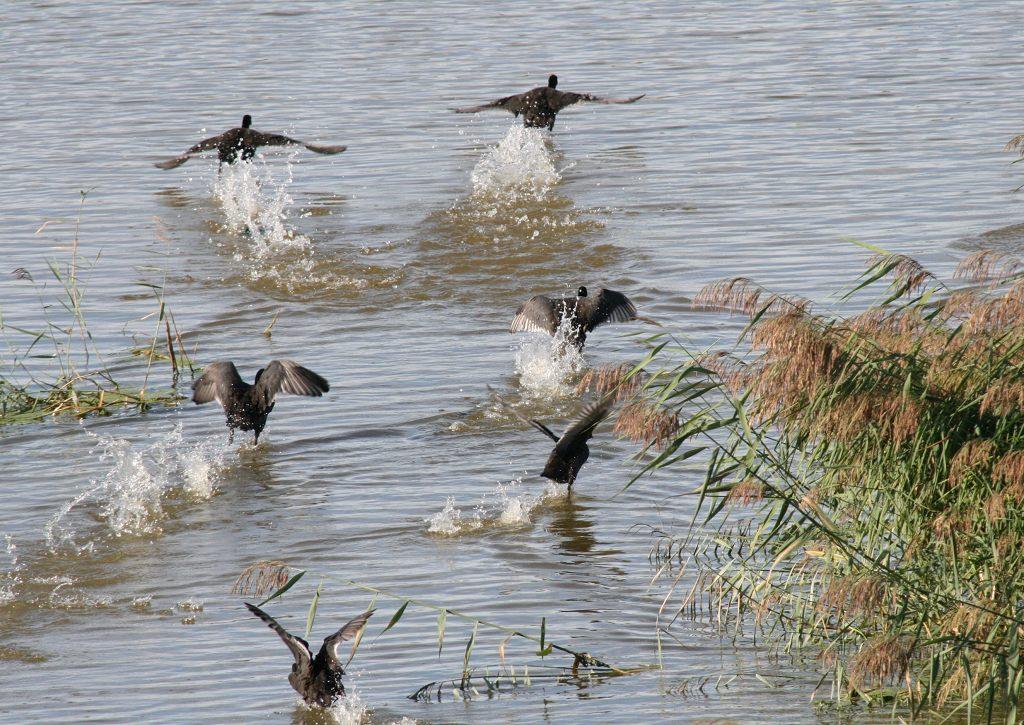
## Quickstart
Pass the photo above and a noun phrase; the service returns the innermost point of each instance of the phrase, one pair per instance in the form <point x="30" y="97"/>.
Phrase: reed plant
<point x="55" y="368"/>
<point x="863" y="499"/>
<point x="272" y="578"/>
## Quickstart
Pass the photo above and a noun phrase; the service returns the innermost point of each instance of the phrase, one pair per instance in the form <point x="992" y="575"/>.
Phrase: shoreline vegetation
<point x="58" y="370"/>
<point x="863" y="501"/>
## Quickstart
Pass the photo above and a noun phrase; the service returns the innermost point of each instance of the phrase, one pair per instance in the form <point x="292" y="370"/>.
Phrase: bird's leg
<point x="231" y="436"/>
<point x="256" y="438"/>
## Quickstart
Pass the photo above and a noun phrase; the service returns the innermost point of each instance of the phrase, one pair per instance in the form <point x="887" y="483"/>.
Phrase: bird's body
<point x="541" y="105"/>
<point x="316" y="679"/>
<point x="579" y="315"/>
<point x="246" y="406"/>
<point x="242" y="142"/>
<point x="571" y="450"/>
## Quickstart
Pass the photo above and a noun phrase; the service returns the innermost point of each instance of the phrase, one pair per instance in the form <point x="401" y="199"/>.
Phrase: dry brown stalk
<point x="987" y="265"/>
<point x="746" y="492"/>
<point x="740" y="294"/>
<point x="611" y="378"/>
<point x="974" y="454"/>
<point x="880" y="660"/>
<point x="647" y="424"/>
<point x="907" y="272"/>
<point x="261" y="578"/>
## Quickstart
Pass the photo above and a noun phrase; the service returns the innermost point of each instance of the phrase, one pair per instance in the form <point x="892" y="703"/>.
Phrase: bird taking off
<point x="540" y="106"/>
<point x="247" y="406"/>
<point x="581" y="314"/>
<point x="317" y="679"/>
<point x="242" y="142"/>
<point x="571" y="450"/>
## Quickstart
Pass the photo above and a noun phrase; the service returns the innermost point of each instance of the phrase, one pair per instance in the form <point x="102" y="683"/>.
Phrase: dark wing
<point x="216" y="383"/>
<point x="272" y="139"/>
<point x="529" y="421"/>
<point x="350" y="630"/>
<point x="606" y="306"/>
<point x="327" y="150"/>
<point x="583" y="429"/>
<point x="566" y="99"/>
<point x="287" y="376"/>
<point x="513" y="104"/>
<point x="276" y="139"/>
<point x="205" y="145"/>
<point x="298" y="646"/>
<point x="538" y="314"/>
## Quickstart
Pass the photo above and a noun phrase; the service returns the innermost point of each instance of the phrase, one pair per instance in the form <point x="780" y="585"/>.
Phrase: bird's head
<point x="552" y="81"/>
<point x="581" y="292"/>
<point x="246" y="121"/>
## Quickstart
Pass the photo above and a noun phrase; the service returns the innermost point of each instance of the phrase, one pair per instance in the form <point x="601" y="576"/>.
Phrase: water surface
<point x="769" y="137"/>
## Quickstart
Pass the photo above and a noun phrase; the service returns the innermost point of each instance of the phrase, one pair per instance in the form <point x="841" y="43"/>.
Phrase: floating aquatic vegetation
<point x="75" y="379"/>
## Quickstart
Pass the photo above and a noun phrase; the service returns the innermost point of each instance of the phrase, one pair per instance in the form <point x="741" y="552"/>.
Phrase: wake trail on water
<point x="257" y="209"/>
<point x="132" y="496"/>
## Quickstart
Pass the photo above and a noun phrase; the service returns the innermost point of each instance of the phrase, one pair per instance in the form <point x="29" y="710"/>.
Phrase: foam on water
<point x="546" y="365"/>
<point x="521" y="163"/>
<point x="348" y="710"/>
<point x="10" y="576"/>
<point x="508" y="505"/>
<point x="130" y="497"/>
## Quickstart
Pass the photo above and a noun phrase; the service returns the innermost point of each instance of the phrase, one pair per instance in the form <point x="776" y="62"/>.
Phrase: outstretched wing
<point x="606" y="306"/>
<point x="582" y="430"/>
<point x="259" y="138"/>
<point x="564" y="99"/>
<point x="538" y="314"/>
<point x="326" y="150"/>
<point x="216" y="383"/>
<point x="350" y="630"/>
<point x="529" y="421"/>
<point x="275" y="139"/>
<point x="298" y="646"/>
<point x="513" y="104"/>
<point x="207" y="144"/>
<point x="287" y="376"/>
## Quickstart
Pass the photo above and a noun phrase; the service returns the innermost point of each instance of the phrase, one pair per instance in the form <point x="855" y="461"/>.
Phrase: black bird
<point x="317" y="679"/>
<point x="581" y="313"/>
<point x="247" y="406"/>
<point x="571" y="450"/>
<point x="540" y="105"/>
<point x="242" y="141"/>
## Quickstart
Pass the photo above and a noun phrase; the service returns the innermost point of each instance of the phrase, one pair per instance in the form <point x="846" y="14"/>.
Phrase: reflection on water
<point x="573" y="529"/>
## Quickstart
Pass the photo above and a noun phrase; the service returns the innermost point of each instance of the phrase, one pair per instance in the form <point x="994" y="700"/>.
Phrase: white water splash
<point x="507" y="506"/>
<point x="348" y="710"/>
<point x="545" y="365"/>
<point x="521" y="163"/>
<point x="257" y="209"/>
<point x="11" y="576"/>
<point x="257" y="205"/>
<point x="130" y="497"/>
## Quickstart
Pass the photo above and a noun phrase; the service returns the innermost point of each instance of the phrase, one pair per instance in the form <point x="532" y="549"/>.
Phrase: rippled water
<point x="770" y="136"/>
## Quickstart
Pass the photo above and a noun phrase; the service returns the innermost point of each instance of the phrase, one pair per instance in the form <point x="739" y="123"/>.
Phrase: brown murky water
<point x="770" y="136"/>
